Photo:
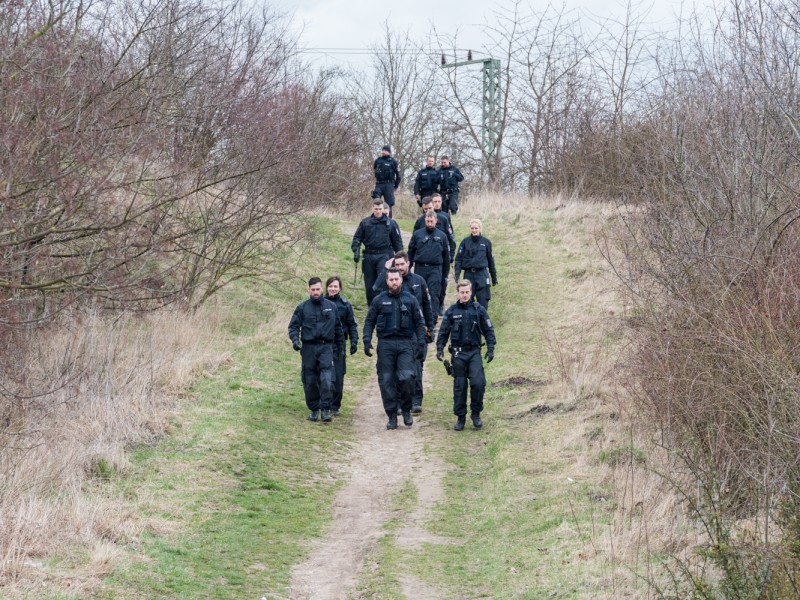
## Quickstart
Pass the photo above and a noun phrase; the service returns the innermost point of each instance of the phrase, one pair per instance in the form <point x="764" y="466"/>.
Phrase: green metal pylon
<point x="491" y="96"/>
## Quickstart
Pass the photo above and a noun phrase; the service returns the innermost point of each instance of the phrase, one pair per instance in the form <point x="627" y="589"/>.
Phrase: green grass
<point x="237" y="492"/>
<point x="243" y="484"/>
<point x="522" y="526"/>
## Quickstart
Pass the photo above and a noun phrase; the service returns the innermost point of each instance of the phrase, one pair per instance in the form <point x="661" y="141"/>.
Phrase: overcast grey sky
<point x="354" y="24"/>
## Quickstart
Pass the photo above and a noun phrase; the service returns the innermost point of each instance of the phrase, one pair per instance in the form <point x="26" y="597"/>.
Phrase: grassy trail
<point x="235" y="498"/>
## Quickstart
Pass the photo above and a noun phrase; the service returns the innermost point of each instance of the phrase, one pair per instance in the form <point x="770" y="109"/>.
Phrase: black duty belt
<point x="316" y="342"/>
<point x="426" y="264"/>
<point x="463" y="348"/>
<point x="475" y="270"/>
<point x="381" y="251"/>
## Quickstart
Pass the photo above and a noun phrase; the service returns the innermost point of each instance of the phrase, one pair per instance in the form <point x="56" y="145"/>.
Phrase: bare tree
<point x="144" y="151"/>
<point x="401" y="104"/>
<point x="465" y="94"/>
<point x="550" y="62"/>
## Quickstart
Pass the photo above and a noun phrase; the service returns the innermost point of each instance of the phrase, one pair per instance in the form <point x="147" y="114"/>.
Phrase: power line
<point x="381" y="51"/>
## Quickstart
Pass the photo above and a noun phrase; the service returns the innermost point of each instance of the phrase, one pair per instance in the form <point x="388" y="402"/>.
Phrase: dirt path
<point x="383" y="461"/>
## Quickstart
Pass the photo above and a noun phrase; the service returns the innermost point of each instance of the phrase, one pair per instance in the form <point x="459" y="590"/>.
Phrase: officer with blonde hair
<point x="475" y="259"/>
<point x="466" y="324"/>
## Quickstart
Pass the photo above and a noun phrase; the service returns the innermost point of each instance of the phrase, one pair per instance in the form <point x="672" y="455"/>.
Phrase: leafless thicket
<point x="150" y="154"/>
<point x="711" y="268"/>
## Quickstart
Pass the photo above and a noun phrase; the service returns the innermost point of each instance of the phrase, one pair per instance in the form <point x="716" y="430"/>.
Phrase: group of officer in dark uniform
<point x="404" y="306"/>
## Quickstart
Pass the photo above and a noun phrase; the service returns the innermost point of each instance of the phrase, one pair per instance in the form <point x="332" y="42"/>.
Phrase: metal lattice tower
<point x="491" y="98"/>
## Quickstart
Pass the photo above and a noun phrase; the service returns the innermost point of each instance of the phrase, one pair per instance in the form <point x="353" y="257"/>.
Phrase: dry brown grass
<point x="119" y="380"/>
<point x="585" y="346"/>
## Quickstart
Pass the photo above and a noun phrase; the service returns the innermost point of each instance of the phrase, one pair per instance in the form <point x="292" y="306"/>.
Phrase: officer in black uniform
<point x="381" y="240"/>
<point x="475" y="258"/>
<point x="348" y="320"/>
<point x="427" y="181"/>
<point x="464" y="323"/>
<point x="429" y="254"/>
<point x="316" y="332"/>
<point x="444" y="221"/>
<point x="449" y="178"/>
<point x="387" y="177"/>
<point x="416" y="286"/>
<point x="401" y="338"/>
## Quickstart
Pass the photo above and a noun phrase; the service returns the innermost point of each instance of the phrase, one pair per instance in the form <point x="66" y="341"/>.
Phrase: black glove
<point x="454" y="210"/>
<point x="456" y="274"/>
<point x="353" y="348"/>
<point x="296" y="345"/>
<point x="440" y="354"/>
<point x="356" y="256"/>
<point x="489" y="355"/>
<point x="494" y="282"/>
<point x="420" y="354"/>
<point x="367" y="349"/>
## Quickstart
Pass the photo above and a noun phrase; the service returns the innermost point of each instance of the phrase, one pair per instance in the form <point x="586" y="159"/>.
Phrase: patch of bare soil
<point x="520" y="382"/>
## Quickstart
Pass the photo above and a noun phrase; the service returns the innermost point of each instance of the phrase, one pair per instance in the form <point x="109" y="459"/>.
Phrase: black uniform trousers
<point x="339" y="368"/>
<point x="450" y="201"/>
<point x="397" y="373"/>
<point x="416" y="399"/>
<point x="442" y="295"/>
<point x="372" y="266"/>
<point x="481" y="290"/>
<point x="317" y="374"/>
<point x="385" y="191"/>
<point x="433" y="277"/>
<point x="467" y="365"/>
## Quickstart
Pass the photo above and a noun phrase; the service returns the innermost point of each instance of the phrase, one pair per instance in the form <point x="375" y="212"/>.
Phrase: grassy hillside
<point x="526" y="496"/>
<point x="227" y="503"/>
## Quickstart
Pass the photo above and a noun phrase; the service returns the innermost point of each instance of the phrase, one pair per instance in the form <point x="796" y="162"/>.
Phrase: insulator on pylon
<point x="469" y="54"/>
<point x="444" y="60"/>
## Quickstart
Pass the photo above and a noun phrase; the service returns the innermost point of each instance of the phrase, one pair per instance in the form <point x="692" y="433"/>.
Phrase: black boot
<point x="462" y="420"/>
<point x="313" y="415"/>
<point x="476" y="420"/>
<point x="392" y="423"/>
<point x="408" y="420"/>
<point x="416" y="409"/>
<point x="326" y="415"/>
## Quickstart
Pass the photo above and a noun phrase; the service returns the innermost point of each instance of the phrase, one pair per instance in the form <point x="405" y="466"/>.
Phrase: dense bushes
<point x="709" y="258"/>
